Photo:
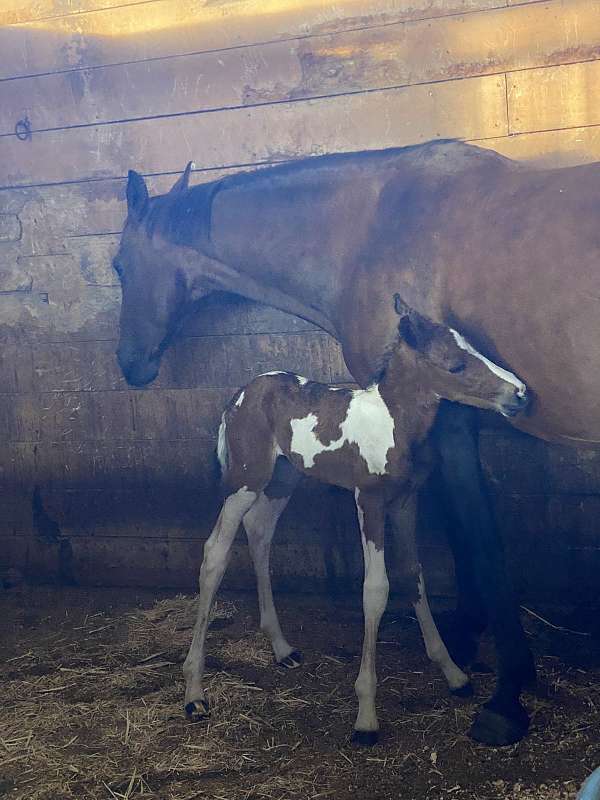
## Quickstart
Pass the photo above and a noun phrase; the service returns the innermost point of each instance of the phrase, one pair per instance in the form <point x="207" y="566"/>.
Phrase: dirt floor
<point x="92" y="707"/>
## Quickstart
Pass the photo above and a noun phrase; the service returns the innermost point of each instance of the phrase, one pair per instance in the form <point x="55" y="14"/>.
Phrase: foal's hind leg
<point x="458" y="682"/>
<point x="216" y="557"/>
<point x="260" y="523"/>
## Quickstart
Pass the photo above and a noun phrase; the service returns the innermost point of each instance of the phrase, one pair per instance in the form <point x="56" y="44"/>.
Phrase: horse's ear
<point x="137" y="195"/>
<point x="182" y="183"/>
<point x="414" y="329"/>
<point x="400" y="306"/>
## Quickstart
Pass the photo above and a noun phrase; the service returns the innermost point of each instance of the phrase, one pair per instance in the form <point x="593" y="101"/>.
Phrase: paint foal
<point x="371" y="441"/>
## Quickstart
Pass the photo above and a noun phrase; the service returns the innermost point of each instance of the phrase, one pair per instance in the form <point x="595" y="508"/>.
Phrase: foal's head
<point x="444" y="363"/>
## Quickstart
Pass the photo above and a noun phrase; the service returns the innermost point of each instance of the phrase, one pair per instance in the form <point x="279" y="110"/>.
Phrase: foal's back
<point x="340" y="436"/>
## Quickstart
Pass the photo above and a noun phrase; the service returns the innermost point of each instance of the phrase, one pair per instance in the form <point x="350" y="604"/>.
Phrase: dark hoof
<point x="365" y="738"/>
<point x="463" y="691"/>
<point x="197" y="710"/>
<point x="292" y="661"/>
<point x="497" y="730"/>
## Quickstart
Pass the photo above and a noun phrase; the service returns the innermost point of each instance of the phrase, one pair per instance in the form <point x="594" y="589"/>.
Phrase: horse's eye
<point x="118" y="268"/>
<point x="457" y="368"/>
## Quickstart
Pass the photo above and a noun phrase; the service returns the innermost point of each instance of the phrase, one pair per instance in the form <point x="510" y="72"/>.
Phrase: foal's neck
<point x="404" y="390"/>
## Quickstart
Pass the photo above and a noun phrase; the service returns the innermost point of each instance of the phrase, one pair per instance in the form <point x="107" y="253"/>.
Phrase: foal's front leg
<point x="216" y="557"/>
<point x="371" y="517"/>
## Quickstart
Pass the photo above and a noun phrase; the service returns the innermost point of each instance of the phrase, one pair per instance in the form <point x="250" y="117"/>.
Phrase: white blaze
<point x="368" y="424"/>
<point x="507" y="376"/>
<point x="240" y="400"/>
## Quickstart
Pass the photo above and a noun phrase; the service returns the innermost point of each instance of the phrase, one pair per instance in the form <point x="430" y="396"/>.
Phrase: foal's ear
<point x="182" y="183"/>
<point x="415" y="329"/>
<point x="137" y="195"/>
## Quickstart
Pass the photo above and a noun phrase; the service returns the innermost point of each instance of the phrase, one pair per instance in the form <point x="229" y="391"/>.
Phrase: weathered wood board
<point x="347" y="61"/>
<point x="127" y="479"/>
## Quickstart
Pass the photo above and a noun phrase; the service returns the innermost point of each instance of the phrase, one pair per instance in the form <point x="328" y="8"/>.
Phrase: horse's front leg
<point x="371" y="517"/>
<point x="503" y="719"/>
<point x="216" y="557"/>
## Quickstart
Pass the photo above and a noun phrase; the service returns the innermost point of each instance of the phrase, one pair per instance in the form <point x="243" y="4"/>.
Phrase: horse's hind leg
<point x="260" y="523"/>
<point x="216" y="557"/>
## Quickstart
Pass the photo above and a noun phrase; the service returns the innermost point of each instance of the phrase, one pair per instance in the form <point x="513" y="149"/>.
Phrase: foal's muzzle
<point x="515" y="404"/>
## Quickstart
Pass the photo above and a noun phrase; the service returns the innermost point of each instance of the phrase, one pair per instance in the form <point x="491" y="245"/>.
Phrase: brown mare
<point x="370" y="441"/>
<point x="503" y="253"/>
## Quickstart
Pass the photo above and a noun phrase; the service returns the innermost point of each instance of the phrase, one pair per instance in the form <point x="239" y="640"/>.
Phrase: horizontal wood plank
<point x="20" y="11"/>
<point x="561" y="148"/>
<point x="516" y="38"/>
<point x="556" y="97"/>
<point x="168" y="415"/>
<point x="223" y="361"/>
<point x="475" y="107"/>
<point x="348" y="61"/>
<point x="168" y="27"/>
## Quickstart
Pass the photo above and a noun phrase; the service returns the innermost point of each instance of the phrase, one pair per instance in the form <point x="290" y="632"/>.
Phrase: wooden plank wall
<point x="102" y="484"/>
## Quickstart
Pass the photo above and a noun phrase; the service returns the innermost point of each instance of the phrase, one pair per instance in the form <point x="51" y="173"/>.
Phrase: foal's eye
<point x="457" y="368"/>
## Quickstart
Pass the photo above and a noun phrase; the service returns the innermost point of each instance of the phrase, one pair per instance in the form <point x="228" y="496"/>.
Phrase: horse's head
<point x="454" y="370"/>
<point x="155" y="295"/>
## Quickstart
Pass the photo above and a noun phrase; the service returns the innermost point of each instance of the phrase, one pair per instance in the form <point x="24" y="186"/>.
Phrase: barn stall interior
<point x="109" y="493"/>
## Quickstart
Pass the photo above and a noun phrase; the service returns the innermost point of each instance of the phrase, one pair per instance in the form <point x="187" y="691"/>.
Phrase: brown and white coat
<point x="372" y="441"/>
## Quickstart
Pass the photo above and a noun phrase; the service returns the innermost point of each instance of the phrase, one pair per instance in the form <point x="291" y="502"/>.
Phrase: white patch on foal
<point x="368" y="424"/>
<point x="301" y="380"/>
<point x="507" y="376"/>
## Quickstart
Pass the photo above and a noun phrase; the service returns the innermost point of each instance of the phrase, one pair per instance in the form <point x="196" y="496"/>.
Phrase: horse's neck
<point x="202" y="270"/>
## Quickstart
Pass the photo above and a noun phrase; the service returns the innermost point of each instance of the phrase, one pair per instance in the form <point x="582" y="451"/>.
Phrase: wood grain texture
<point x="561" y="148"/>
<point x="567" y="96"/>
<point x="475" y="107"/>
<point x="167" y="27"/>
<point x="130" y="477"/>
<point x="392" y="55"/>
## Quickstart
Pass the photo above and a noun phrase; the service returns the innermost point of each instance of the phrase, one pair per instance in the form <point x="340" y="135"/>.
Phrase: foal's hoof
<point x="293" y="661"/>
<point x="497" y="730"/>
<point x="463" y="691"/>
<point x="197" y="710"/>
<point x="365" y="738"/>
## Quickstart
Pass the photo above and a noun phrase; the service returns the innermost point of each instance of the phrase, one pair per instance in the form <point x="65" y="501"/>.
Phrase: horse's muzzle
<point x="138" y="371"/>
